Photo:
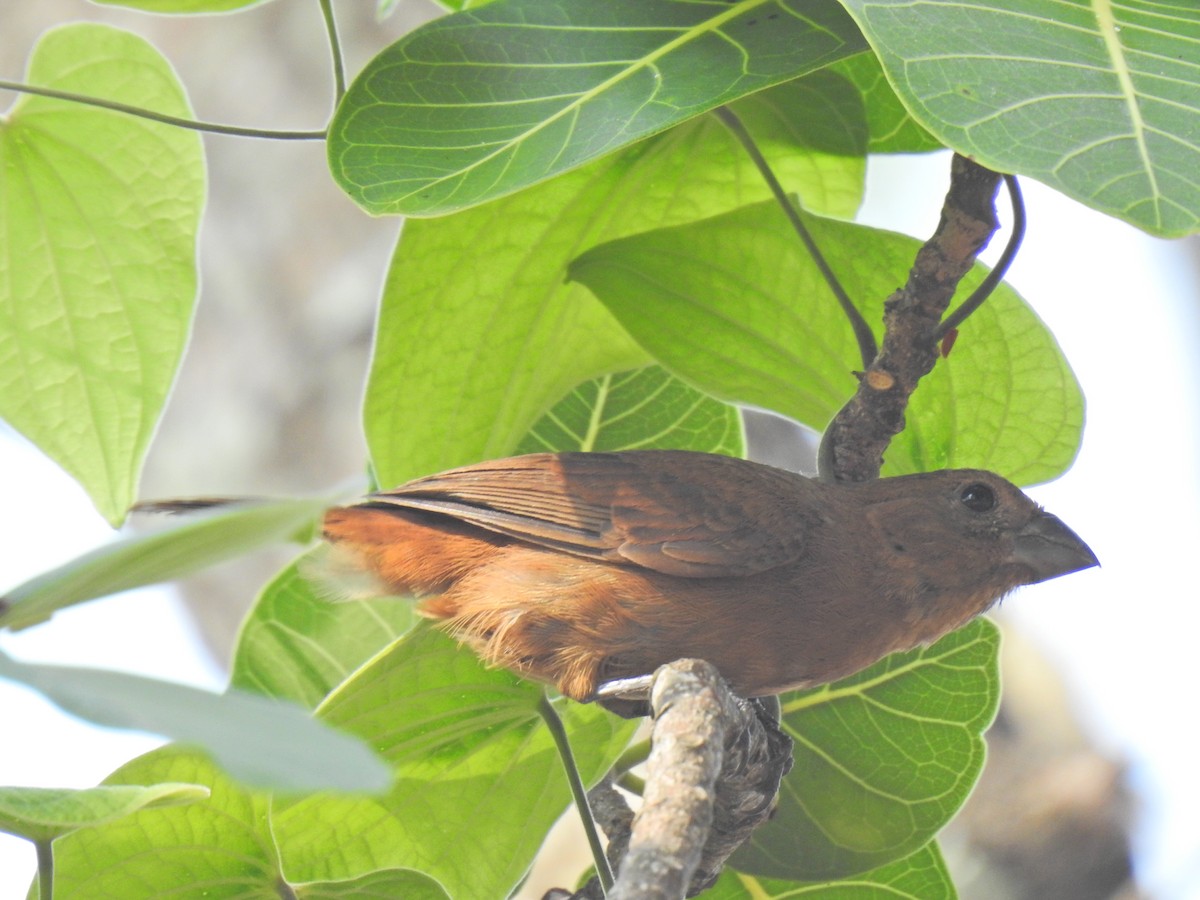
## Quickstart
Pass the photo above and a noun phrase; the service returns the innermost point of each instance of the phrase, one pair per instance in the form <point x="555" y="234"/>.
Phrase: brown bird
<point x="582" y="568"/>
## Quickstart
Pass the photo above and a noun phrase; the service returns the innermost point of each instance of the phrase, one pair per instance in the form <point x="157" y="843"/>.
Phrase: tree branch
<point x="852" y="449"/>
<point x="712" y="778"/>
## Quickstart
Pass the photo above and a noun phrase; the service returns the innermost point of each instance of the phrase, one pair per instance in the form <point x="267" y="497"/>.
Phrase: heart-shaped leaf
<point x="98" y="219"/>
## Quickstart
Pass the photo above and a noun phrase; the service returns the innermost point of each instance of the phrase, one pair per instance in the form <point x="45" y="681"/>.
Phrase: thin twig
<point x="141" y="113"/>
<point x="335" y="49"/>
<point x="867" y="347"/>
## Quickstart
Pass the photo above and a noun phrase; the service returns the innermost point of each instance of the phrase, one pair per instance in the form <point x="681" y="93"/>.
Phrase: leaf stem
<point x="995" y="276"/>
<point x="335" y="49"/>
<point x="867" y="347"/>
<point x="141" y="113"/>
<point x="550" y="716"/>
<point x="45" y="863"/>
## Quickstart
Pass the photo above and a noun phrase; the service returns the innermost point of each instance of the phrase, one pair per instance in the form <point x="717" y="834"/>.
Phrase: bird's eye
<point x="978" y="497"/>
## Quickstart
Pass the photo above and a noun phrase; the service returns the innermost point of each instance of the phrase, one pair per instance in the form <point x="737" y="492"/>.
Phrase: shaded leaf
<point x="892" y="128"/>
<point x="883" y="760"/>
<point x="98" y="219"/>
<point x="258" y="740"/>
<point x="921" y="876"/>
<point x="1096" y="100"/>
<point x="734" y="305"/>
<point x="481" y="103"/>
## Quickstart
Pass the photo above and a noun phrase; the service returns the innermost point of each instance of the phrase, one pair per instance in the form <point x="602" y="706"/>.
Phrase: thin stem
<point x="45" y="863"/>
<point x="550" y="716"/>
<point x="335" y="49"/>
<point x="192" y="124"/>
<point x="867" y="347"/>
<point x="997" y="274"/>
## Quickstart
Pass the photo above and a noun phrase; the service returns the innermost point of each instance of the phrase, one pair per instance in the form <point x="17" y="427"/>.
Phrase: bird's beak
<point x="1049" y="548"/>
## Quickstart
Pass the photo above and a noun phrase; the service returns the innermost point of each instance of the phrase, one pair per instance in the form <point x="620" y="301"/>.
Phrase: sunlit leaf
<point x="98" y="219"/>
<point x="42" y="814"/>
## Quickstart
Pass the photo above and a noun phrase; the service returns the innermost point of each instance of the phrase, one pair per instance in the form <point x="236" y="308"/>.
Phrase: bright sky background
<point x="1125" y="310"/>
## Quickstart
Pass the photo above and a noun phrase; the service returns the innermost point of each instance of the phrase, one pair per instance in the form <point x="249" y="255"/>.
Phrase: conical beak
<point x="1049" y="548"/>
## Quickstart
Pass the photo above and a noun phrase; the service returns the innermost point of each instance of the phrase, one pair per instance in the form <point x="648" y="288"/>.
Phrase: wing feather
<point x="689" y="514"/>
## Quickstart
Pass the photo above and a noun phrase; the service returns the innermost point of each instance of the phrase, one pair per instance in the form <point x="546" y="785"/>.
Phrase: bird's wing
<point x="687" y="514"/>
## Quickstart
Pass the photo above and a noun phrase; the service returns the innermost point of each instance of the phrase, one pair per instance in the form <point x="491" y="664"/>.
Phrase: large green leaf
<point x="486" y="101"/>
<point x="265" y="742"/>
<point x="884" y="759"/>
<point x="219" y="847"/>
<point x="475" y="769"/>
<point x="1096" y="99"/>
<point x="921" y="876"/>
<point x="150" y="558"/>
<point x="735" y="306"/>
<point x="478" y="333"/>
<point x="98" y="220"/>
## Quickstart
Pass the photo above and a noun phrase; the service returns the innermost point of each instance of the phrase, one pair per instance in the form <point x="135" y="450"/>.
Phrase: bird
<point x="586" y="569"/>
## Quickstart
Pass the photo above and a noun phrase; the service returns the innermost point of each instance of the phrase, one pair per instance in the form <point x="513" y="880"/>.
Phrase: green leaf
<point x="479" y="335"/>
<point x="258" y="740"/>
<point x="221" y="845"/>
<point x="183" y="6"/>
<point x="921" y="876"/>
<point x="734" y="305"/>
<point x="297" y="645"/>
<point x="148" y="559"/>
<point x="642" y="409"/>
<point x="884" y="759"/>
<point x="43" y="814"/>
<point x="483" y="102"/>
<point x="1097" y="100"/>
<point x="475" y="769"/>
<point x="98" y="219"/>
<point x="218" y="847"/>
